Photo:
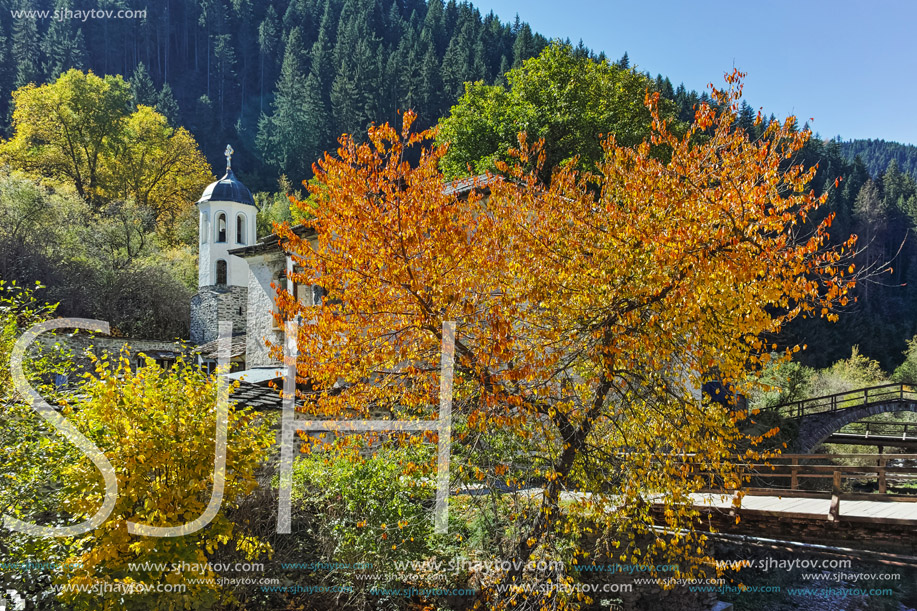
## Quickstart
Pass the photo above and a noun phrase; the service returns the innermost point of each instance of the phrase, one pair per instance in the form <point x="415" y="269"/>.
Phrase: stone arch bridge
<point x="821" y="417"/>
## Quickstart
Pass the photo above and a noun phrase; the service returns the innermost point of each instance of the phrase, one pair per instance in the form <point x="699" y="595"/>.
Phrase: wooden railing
<point x="797" y="472"/>
<point x="802" y="472"/>
<point x="904" y="431"/>
<point x="885" y="393"/>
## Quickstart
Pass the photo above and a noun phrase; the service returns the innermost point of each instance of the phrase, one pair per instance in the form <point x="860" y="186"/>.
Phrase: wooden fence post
<point x="882" y="480"/>
<point x="834" y="511"/>
<point x="794" y="475"/>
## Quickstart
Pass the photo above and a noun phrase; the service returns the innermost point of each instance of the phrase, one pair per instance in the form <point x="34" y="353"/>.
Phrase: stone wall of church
<point x="263" y="270"/>
<point x="213" y="304"/>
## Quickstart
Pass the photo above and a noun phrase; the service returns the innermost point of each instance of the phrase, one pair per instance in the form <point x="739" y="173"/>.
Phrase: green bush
<point x="852" y="373"/>
<point x="373" y="509"/>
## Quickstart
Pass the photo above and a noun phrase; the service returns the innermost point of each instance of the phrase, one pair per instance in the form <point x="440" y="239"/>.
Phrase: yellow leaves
<point x="78" y="130"/>
<point x="158" y="434"/>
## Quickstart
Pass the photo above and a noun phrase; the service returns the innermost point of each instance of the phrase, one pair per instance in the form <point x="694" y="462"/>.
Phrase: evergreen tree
<point x="747" y="119"/>
<point x="895" y="184"/>
<point x="395" y="27"/>
<point x="393" y="92"/>
<point x="357" y="79"/>
<point x="434" y="23"/>
<point x="505" y="66"/>
<point x="284" y="138"/>
<point x="62" y="45"/>
<point x="6" y="76"/>
<point x="458" y="62"/>
<point x="871" y="212"/>
<point x="206" y="123"/>
<point x="524" y="47"/>
<point x="142" y="88"/>
<point x="877" y="154"/>
<point x="224" y="65"/>
<point x="408" y="74"/>
<point x="25" y="52"/>
<point x="431" y="84"/>
<point x="268" y="43"/>
<point x="316" y="96"/>
<point x="166" y="104"/>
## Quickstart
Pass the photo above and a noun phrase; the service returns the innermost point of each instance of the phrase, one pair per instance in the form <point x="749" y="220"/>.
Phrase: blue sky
<point x="850" y="65"/>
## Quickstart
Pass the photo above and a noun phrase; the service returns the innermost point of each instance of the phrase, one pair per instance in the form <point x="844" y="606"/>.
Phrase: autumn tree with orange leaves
<point x="589" y="311"/>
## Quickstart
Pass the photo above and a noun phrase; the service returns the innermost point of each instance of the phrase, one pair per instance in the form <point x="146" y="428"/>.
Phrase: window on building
<point x="240" y="228"/>
<point x="309" y="294"/>
<point x="280" y="285"/>
<point x="222" y="272"/>
<point x="303" y="294"/>
<point x="205" y="227"/>
<point x="221" y="227"/>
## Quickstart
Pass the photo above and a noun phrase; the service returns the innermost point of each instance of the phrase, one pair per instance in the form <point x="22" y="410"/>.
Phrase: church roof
<point x="270" y="243"/>
<point x="227" y="189"/>
<point x="210" y="350"/>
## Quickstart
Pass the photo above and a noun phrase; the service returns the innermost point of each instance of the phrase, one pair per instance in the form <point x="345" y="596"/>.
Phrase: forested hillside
<point x="877" y="154"/>
<point x="882" y="212"/>
<point x="281" y="79"/>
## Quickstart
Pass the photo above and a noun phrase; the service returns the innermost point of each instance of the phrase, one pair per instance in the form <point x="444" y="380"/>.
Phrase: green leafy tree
<point x="61" y="130"/>
<point x="783" y="382"/>
<point x="80" y="130"/>
<point x="155" y="165"/>
<point x="561" y="96"/>
<point x="906" y="372"/>
<point x="851" y="373"/>
<point x="30" y="475"/>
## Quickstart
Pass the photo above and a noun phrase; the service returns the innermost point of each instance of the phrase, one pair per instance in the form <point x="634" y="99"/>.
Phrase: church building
<point x="239" y="275"/>
<point x="235" y="276"/>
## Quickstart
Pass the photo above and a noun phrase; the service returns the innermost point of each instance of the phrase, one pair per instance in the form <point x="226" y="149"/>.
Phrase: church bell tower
<point x="226" y="213"/>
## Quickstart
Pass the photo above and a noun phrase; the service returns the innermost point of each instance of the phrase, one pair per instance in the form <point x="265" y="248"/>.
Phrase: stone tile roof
<point x="210" y="349"/>
<point x="257" y="397"/>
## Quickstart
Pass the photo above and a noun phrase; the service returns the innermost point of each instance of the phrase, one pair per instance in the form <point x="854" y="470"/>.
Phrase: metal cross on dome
<point x="228" y="154"/>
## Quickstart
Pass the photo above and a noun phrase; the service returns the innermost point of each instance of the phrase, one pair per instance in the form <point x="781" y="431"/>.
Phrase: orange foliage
<point x="588" y="310"/>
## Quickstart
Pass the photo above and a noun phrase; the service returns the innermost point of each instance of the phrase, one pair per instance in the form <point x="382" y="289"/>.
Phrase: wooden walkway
<point x="881" y="512"/>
